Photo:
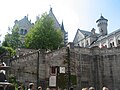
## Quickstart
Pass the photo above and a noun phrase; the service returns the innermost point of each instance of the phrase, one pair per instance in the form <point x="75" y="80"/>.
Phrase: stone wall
<point x="101" y="67"/>
<point x="25" y="66"/>
<point x="92" y="66"/>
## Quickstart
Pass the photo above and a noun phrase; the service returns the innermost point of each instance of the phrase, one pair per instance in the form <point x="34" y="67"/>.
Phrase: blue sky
<point x="75" y="14"/>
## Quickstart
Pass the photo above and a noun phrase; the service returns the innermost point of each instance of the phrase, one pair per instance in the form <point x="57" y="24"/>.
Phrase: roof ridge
<point x="84" y="30"/>
<point x="51" y="11"/>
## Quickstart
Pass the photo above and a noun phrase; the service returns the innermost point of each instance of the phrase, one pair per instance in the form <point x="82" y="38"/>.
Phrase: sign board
<point x="52" y="81"/>
<point x="62" y="69"/>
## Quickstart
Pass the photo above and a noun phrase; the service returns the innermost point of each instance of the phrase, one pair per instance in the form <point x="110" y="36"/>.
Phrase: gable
<point x="56" y="23"/>
<point x="78" y="37"/>
<point x="24" y="23"/>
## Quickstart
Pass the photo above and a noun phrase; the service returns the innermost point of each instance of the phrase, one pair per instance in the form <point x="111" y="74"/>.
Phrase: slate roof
<point x="86" y="33"/>
<point x="51" y="14"/>
<point x="24" y="23"/>
<point x="101" y="18"/>
<point x="62" y="27"/>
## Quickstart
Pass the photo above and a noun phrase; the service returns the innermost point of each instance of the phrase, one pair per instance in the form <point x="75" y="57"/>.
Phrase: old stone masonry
<point x="96" y="67"/>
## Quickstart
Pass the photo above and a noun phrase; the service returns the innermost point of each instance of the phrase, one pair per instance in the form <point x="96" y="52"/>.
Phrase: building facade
<point x="24" y="26"/>
<point x="59" y="26"/>
<point x="102" y="39"/>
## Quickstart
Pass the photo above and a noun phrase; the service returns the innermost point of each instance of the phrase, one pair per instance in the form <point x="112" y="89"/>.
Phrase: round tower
<point x="102" y="25"/>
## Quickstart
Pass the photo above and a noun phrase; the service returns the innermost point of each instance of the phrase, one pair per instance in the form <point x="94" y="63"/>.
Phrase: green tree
<point x="43" y="35"/>
<point x="3" y="50"/>
<point x="12" y="40"/>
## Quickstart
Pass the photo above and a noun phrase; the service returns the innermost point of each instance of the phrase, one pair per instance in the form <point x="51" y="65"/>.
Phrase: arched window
<point x="25" y="31"/>
<point x="112" y="44"/>
<point x="118" y="42"/>
<point x="21" y="31"/>
<point x="87" y="43"/>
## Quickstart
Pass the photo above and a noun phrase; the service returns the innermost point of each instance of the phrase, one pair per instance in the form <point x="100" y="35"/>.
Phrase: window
<point x="105" y="46"/>
<point x="53" y="70"/>
<point x="101" y="30"/>
<point x="118" y="41"/>
<point x="21" y="31"/>
<point x="25" y="32"/>
<point x="112" y="44"/>
<point x="87" y="42"/>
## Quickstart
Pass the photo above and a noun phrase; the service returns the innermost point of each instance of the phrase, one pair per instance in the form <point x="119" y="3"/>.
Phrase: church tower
<point x="102" y="25"/>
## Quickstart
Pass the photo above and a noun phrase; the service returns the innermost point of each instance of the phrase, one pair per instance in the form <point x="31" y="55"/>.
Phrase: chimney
<point x="93" y="31"/>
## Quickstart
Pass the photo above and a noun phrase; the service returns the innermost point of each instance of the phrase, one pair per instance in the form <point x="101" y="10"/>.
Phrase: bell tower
<point x="102" y="25"/>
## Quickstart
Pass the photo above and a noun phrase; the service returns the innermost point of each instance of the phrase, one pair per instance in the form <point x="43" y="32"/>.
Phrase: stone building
<point x="102" y="39"/>
<point x="96" y="67"/>
<point x="60" y="26"/>
<point x="24" y="26"/>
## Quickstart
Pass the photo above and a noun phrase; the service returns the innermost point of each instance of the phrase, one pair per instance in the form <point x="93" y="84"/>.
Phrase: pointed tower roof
<point x="50" y="9"/>
<point x="101" y="18"/>
<point x="62" y="26"/>
<point x="57" y="25"/>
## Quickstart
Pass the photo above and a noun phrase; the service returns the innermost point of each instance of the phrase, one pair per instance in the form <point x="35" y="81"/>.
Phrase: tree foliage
<point x="2" y="50"/>
<point x="11" y="52"/>
<point x="12" y="40"/>
<point x="43" y="35"/>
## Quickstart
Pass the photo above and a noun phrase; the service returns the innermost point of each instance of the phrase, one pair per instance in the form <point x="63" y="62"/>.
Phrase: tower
<point x="102" y="25"/>
<point x="65" y="34"/>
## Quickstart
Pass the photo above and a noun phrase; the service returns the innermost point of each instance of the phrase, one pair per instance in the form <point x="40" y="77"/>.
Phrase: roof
<point x="24" y="23"/>
<point x="101" y="18"/>
<point x="24" y="20"/>
<point x="62" y="27"/>
<point x="85" y="33"/>
<point x="55" y="19"/>
<point x="101" y="38"/>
